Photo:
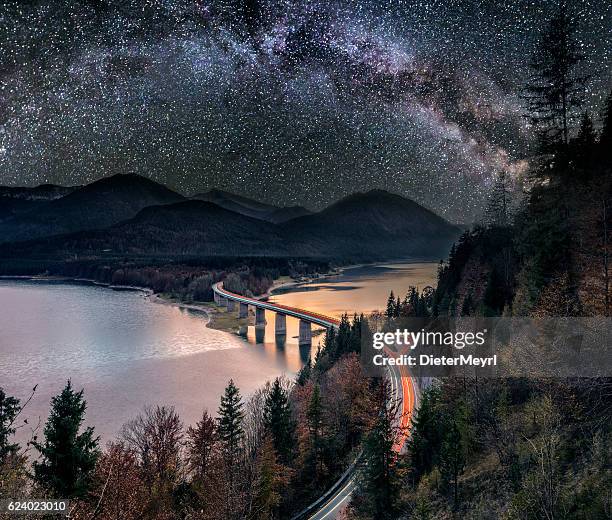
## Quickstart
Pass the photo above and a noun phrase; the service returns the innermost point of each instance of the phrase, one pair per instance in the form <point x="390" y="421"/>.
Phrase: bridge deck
<point x="312" y="317"/>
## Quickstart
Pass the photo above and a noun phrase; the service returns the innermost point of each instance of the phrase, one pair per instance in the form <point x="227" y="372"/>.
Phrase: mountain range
<point x="132" y="215"/>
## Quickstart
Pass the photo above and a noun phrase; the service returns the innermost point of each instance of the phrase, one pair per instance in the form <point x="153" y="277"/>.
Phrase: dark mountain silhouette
<point x="95" y="206"/>
<point x="380" y="223"/>
<point x="372" y="226"/>
<point x="195" y="228"/>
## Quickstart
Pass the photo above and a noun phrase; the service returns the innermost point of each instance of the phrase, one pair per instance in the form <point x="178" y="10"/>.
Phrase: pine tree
<point x="555" y="87"/>
<point x="67" y="457"/>
<point x="379" y="474"/>
<point x="585" y="144"/>
<point x="343" y="338"/>
<point x="330" y="341"/>
<point x="230" y="425"/>
<point x="304" y="373"/>
<point x="358" y="325"/>
<point x="468" y="305"/>
<point x="9" y="409"/>
<point x="315" y="423"/>
<point x="412" y="303"/>
<point x="452" y="459"/>
<point x="497" y="211"/>
<point x="390" y="312"/>
<point x="422" y="510"/>
<point x="278" y="421"/>
<point x="605" y="138"/>
<point x="425" y="439"/>
<point x="586" y="134"/>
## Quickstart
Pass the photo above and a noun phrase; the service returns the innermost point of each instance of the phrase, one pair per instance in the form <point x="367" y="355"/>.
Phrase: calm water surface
<point x="127" y="351"/>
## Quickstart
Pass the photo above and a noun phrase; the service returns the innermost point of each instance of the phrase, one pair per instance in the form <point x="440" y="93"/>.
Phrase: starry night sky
<point x="297" y="102"/>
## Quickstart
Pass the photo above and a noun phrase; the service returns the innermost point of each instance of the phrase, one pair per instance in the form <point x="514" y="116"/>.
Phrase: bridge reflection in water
<point x="240" y="304"/>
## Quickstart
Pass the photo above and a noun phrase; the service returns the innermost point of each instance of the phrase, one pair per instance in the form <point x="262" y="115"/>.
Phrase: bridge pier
<point x="215" y="297"/>
<point x="280" y="324"/>
<point x="243" y="312"/>
<point x="260" y="317"/>
<point x="230" y="305"/>
<point x="305" y="336"/>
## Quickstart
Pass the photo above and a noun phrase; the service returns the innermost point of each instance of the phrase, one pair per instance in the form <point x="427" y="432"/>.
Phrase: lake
<point x="128" y="351"/>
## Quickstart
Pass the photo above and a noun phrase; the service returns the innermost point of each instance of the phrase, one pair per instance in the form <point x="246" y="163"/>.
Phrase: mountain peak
<point x="126" y="179"/>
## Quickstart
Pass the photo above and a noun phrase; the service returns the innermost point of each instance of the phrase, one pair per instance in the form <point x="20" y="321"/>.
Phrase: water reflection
<point x="285" y="347"/>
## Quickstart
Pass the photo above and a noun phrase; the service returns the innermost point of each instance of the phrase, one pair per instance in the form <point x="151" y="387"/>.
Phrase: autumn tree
<point x="201" y="441"/>
<point x="119" y="491"/>
<point x="254" y="424"/>
<point x="156" y="436"/>
<point x="271" y="479"/>
<point x="348" y="406"/>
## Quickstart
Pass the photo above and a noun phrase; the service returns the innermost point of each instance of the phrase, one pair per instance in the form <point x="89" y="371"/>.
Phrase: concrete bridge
<point x="232" y="300"/>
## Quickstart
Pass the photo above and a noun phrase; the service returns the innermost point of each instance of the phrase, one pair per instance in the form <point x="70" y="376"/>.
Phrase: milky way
<point x="285" y="101"/>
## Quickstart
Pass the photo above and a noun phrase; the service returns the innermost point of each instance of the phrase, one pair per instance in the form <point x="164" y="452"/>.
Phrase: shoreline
<point x="339" y="271"/>
<point x="216" y="318"/>
<point x="84" y="281"/>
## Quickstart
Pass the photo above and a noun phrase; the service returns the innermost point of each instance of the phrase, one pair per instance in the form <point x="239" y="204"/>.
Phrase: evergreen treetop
<point x="67" y="457"/>
<point x="230" y="422"/>
<point x="279" y="422"/>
